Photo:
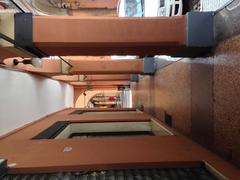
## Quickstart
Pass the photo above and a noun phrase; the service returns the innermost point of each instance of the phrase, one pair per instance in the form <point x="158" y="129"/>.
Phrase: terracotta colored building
<point x="86" y="94"/>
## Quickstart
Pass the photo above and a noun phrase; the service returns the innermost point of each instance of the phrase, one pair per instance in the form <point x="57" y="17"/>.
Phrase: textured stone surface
<point x="167" y="91"/>
<point x="201" y="100"/>
<point x="203" y="97"/>
<point x="227" y="99"/>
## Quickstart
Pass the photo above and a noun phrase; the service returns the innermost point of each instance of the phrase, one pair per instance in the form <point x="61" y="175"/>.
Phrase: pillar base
<point x="199" y="36"/>
<point x="134" y="77"/>
<point x="149" y="66"/>
<point x="200" y="29"/>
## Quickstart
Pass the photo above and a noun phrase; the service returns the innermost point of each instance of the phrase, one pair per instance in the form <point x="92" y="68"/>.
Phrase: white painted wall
<point x="151" y="8"/>
<point x="25" y="98"/>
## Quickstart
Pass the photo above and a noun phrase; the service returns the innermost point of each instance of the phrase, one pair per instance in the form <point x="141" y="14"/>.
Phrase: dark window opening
<point x="162" y="3"/>
<point x="52" y="131"/>
<point x="77" y="112"/>
<point x="171" y="9"/>
<point x="176" y="8"/>
<point x="168" y="119"/>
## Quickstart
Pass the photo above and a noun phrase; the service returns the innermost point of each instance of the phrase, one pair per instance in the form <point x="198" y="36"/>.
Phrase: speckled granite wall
<point x="168" y="91"/>
<point x="173" y="95"/>
<point x="227" y="99"/>
<point x="203" y="97"/>
<point x="201" y="101"/>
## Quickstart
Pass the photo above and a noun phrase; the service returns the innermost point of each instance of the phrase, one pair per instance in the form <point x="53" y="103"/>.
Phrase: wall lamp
<point x="36" y="62"/>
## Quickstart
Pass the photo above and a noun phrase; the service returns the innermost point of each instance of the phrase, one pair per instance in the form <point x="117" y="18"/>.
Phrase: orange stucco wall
<point x="103" y="153"/>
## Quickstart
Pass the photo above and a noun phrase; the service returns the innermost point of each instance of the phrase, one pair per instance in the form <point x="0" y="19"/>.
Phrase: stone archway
<point x="82" y="100"/>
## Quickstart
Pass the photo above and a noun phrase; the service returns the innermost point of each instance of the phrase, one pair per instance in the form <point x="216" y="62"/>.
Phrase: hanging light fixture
<point x="36" y="62"/>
